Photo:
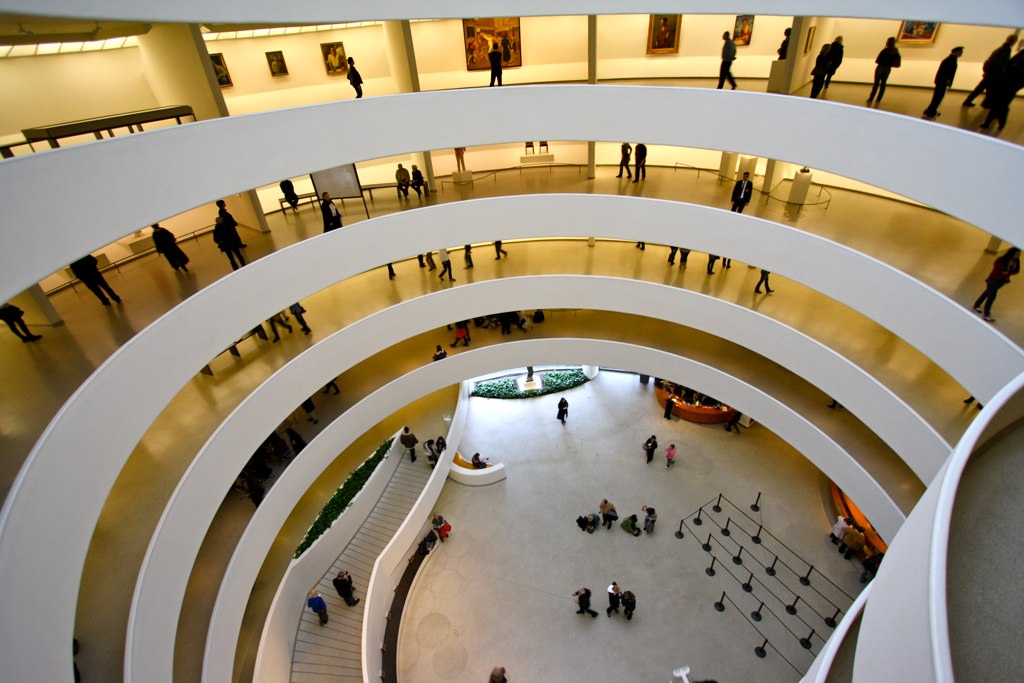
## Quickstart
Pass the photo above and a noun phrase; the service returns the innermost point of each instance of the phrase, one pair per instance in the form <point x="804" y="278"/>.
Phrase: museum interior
<point x="767" y="241"/>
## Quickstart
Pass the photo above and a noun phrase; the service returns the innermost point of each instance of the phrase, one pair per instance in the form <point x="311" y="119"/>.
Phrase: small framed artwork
<point x="743" y="30"/>
<point x="479" y="35"/>
<point x="275" y="60"/>
<point x="334" y="58"/>
<point x="220" y="70"/>
<point x="809" y="43"/>
<point x="917" y="31"/>
<point x="663" y="34"/>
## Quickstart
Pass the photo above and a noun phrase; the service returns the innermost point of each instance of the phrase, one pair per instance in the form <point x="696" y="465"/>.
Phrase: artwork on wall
<point x="917" y="31"/>
<point x="480" y="34"/>
<point x="334" y="58"/>
<point x="743" y="30"/>
<point x="810" y="39"/>
<point x="275" y="60"/>
<point x="663" y="34"/>
<point x="220" y="70"/>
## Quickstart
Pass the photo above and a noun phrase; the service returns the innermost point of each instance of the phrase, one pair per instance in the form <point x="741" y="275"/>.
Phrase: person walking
<point x="494" y="57"/>
<point x="227" y="240"/>
<point x="1003" y="90"/>
<point x="728" y="57"/>
<point x="343" y="584"/>
<point x="165" y="243"/>
<point x="742" y="191"/>
<point x="650" y="446"/>
<point x="640" y="172"/>
<point x="734" y="422"/>
<point x="222" y="211"/>
<point x="317" y="604"/>
<point x="670" y="456"/>
<point x="288" y="190"/>
<point x="583" y="601"/>
<point x="887" y="60"/>
<point x="461" y="335"/>
<point x="498" y="251"/>
<point x="763" y="281"/>
<point x="297" y="310"/>
<point x="650" y="517"/>
<point x="279" y="318"/>
<point x="627" y="150"/>
<point x="614" y="599"/>
<point x="563" y="410"/>
<point x="330" y="213"/>
<point x="14" y="317"/>
<point x="87" y="270"/>
<point x="608" y="513"/>
<point x="354" y="79"/>
<point x="1005" y="266"/>
<point x="446" y="264"/>
<point x="993" y="68"/>
<point x="943" y="81"/>
<point x="629" y="604"/>
<point x="820" y="70"/>
<point x="467" y="254"/>
<point x="409" y="440"/>
<point x="711" y="263"/>
<point x="310" y="409"/>
<point x="835" y="58"/>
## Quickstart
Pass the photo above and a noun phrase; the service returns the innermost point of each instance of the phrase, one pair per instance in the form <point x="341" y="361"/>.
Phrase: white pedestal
<point x="727" y="169"/>
<point x="532" y="385"/>
<point x="747" y="165"/>
<point x="537" y="159"/>
<point x="801" y="184"/>
<point x="777" y="76"/>
<point x="141" y="244"/>
<point x="463" y="177"/>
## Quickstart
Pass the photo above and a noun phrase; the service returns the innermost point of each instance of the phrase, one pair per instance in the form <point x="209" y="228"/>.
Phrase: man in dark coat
<point x="227" y="240"/>
<point x="409" y="440"/>
<point x="222" y="211"/>
<point x="583" y="600"/>
<point x="495" y="58"/>
<point x="741" y="193"/>
<point x="343" y="584"/>
<point x="13" y="316"/>
<point x="835" y="58"/>
<point x="163" y="240"/>
<point x="943" y="81"/>
<point x="332" y="217"/>
<point x="627" y="151"/>
<point x="1002" y="91"/>
<point x="640" y="171"/>
<point x="288" y="190"/>
<point x="354" y="78"/>
<point x="993" y="68"/>
<point x="87" y="270"/>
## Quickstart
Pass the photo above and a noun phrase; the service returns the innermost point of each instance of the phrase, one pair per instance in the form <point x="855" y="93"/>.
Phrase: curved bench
<point x="463" y="472"/>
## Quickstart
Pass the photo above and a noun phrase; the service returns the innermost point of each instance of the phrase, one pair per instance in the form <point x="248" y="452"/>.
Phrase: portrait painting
<point x="663" y="34"/>
<point x="479" y="35"/>
<point x="220" y="70"/>
<point x="917" y="31"/>
<point x="275" y="60"/>
<point x="743" y="29"/>
<point x="335" y="60"/>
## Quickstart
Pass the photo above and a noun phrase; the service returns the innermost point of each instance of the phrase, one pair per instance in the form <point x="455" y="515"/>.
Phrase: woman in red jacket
<point x="1006" y="265"/>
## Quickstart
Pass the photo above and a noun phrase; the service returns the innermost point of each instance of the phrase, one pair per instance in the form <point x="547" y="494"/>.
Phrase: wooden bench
<point x="257" y="331"/>
<point x="393" y="186"/>
<point x="306" y="196"/>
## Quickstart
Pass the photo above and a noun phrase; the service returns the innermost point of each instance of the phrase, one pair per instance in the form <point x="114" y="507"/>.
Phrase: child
<point x="670" y="455"/>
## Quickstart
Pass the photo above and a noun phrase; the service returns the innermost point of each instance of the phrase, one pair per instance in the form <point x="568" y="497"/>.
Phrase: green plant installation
<point x="551" y="382"/>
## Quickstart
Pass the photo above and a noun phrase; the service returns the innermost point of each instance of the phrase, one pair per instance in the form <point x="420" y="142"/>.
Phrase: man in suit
<point x="332" y="217"/>
<point x="943" y="81"/>
<point x="495" y="58"/>
<point x="741" y="193"/>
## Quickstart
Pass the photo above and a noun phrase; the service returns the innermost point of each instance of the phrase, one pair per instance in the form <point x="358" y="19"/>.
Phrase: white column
<point x="592" y="79"/>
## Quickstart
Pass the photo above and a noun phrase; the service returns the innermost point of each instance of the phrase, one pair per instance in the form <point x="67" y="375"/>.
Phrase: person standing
<point x="288" y="190"/>
<point x="403" y="181"/>
<point x="460" y="159"/>
<point x="279" y="318"/>
<point x="1005" y="266"/>
<point x="783" y="50"/>
<point x="614" y="599"/>
<point x="629" y="604"/>
<point x="650" y="446"/>
<point x="853" y="542"/>
<point x="498" y="675"/>
<point x="354" y="79"/>
<point x="310" y="409"/>
<point x="728" y="57"/>
<point x="627" y="150"/>
<point x="839" y="528"/>
<point x="166" y="244"/>
<point x="343" y="584"/>
<point x="222" y="211"/>
<point x="741" y="193"/>
<point x="14" y="317"/>
<point x="330" y="213"/>
<point x="409" y="440"/>
<point x="820" y="71"/>
<point x="670" y="456"/>
<point x="993" y="68"/>
<point x="498" y="251"/>
<point x="87" y="270"/>
<point x="711" y="263"/>
<point x="583" y="601"/>
<point x="640" y="172"/>
<point x="763" y="281"/>
<point x="835" y="58"/>
<point x="317" y="604"/>
<point x="650" y="517"/>
<point x="297" y="310"/>
<point x="563" y="410"/>
<point x="417" y="181"/>
<point x="1002" y="91"/>
<point x="734" y="422"/>
<point x="608" y="513"/>
<point x="670" y="400"/>
<point x="943" y="81"/>
<point x="227" y="240"/>
<point x="494" y="56"/>
<point x="446" y="264"/>
<point x="467" y="253"/>
<point x="887" y="60"/>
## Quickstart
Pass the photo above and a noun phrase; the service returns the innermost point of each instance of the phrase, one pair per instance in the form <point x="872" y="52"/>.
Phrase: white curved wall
<point x="38" y="241"/>
<point x="997" y="12"/>
<point x="181" y="530"/>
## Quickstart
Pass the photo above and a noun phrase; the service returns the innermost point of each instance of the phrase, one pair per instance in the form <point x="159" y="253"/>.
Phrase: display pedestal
<point x="463" y="177"/>
<point x="801" y="184"/>
<point x="727" y="169"/>
<point x="532" y="385"/>
<point x="141" y="244"/>
<point x="536" y="159"/>
<point x="777" y="76"/>
<point x="747" y="165"/>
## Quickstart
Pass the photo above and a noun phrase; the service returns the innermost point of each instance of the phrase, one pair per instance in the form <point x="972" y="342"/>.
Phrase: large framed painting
<point x="220" y="70"/>
<point x="920" y="32"/>
<point x="663" y="34"/>
<point x="275" y="60"/>
<point x="743" y="30"/>
<point x="335" y="60"/>
<point x="479" y="35"/>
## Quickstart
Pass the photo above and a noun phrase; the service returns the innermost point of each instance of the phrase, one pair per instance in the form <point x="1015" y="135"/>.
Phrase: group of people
<point x="616" y="598"/>
<point x="405" y="180"/>
<point x="641" y="162"/>
<point x="607" y="515"/>
<point x="433" y="447"/>
<point x="651" y="444"/>
<point x="343" y="584"/>
<point x="850" y="539"/>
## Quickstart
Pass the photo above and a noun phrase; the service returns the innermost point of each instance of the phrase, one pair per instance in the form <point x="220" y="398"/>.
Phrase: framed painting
<point x="917" y="31"/>
<point x="743" y="30"/>
<point x="809" y="43"/>
<point x="275" y="60"/>
<point x="335" y="61"/>
<point x="479" y="35"/>
<point x="663" y="34"/>
<point x="220" y="70"/>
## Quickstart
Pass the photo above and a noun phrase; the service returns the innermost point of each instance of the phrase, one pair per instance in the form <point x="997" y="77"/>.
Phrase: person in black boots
<point x="87" y="270"/>
<point x="943" y="81"/>
<point x="583" y="601"/>
<point x="13" y="316"/>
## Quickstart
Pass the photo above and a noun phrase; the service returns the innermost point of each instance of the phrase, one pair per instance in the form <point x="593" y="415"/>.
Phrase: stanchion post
<point x="697" y="520"/>
<point x="806" y="642"/>
<point x="791" y="609"/>
<point x="755" y="507"/>
<point x="760" y="649"/>
<point x="831" y="621"/>
<point x="710" y="571"/>
<point x="756" y="538"/>
<point x="725" y="529"/>
<point x="707" y="546"/>
<point x="756" y="614"/>
<point x="680" y="534"/>
<point x="770" y="571"/>
<point x="805" y="580"/>
<point x="720" y="605"/>
<point x="738" y="557"/>
<point x="717" y="507"/>
<point x="747" y="587"/>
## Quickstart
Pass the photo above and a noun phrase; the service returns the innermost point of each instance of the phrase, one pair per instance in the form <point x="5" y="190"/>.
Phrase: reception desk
<point x="698" y="414"/>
